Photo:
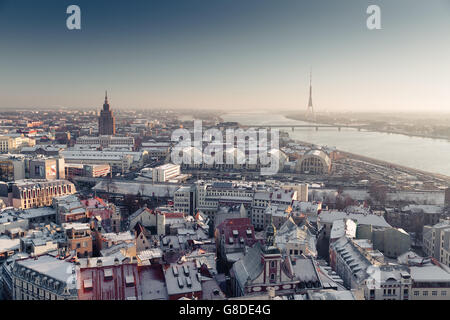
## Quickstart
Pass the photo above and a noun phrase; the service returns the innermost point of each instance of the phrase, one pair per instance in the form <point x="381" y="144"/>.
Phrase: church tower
<point x="271" y="256"/>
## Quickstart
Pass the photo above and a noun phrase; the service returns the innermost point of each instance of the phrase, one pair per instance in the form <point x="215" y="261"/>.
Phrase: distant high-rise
<point x="106" y="121"/>
<point x="310" y="110"/>
<point x="447" y="197"/>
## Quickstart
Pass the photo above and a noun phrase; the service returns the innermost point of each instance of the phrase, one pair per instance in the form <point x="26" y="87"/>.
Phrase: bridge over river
<point x="293" y="126"/>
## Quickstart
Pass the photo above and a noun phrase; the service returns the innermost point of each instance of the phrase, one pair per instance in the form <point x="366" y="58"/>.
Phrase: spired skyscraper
<point x="106" y="121"/>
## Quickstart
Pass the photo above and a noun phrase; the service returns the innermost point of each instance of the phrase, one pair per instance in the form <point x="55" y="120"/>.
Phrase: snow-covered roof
<point x="364" y="219"/>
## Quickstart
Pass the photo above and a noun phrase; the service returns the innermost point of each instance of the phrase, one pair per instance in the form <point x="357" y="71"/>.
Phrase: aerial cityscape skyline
<point x="238" y="158"/>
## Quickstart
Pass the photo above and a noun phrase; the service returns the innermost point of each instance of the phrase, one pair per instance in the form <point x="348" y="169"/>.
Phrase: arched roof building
<point x="315" y="162"/>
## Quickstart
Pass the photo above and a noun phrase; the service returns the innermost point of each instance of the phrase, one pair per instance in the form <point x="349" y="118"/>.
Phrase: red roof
<point x="174" y="215"/>
<point x="241" y="225"/>
<point x="102" y="286"/>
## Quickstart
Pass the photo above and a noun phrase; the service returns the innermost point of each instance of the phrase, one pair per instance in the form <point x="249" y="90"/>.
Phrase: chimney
<point x="271" y="292"/>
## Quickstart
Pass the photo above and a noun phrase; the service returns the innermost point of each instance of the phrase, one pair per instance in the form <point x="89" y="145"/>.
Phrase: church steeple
<point x="271" y="232"/>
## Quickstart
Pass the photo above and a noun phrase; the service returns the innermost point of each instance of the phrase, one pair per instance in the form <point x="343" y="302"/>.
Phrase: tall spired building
<point x="106" y="121"/>
<point x="310" y="110"/>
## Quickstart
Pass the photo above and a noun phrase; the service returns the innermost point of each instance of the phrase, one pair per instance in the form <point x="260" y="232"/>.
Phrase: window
<point x="425" y="293"/>
<point x="434" y="293"/>
<point x="443" y="293"/>
<point x="416" y="293"/>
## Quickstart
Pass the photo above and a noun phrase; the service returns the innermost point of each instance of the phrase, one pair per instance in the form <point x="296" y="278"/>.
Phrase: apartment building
<point x="42" y="278"/>
<point x="279" y="199"/>
<point x="210" y="195"/>
<point x="34" y="193"/>
<point x="79" y="238"/>
<point x="87" y="170"/>
<point x="185" y="199"/>
<point x="434" y="241"/>
<point x="14" y="142"/>
<point x="12" y="167"/>
<point x="351" y="258"/>
<point x="47" y="168"/>
<point x="388" y="282"/>
<point x="166" y="172"/>
<point x="430" y="282"/>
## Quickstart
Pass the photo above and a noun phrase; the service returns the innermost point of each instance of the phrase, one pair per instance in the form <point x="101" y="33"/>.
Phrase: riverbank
<point x="408" y="134"/>
<point x="423" y="154"/>
<point x="444" y="178"/>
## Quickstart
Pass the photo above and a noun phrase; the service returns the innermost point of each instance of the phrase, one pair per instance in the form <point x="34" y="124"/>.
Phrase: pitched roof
<point x="249" y="267"/>
<point x="138" y="212"/>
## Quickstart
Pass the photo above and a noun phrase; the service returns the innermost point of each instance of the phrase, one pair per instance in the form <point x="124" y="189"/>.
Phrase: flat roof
<point x="429" y="273"/>
<point x="50" y="266"/>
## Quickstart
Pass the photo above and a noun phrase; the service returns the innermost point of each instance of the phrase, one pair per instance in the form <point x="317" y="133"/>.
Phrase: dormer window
<point x="129" y="280"/>
<point x="87" y="284"/>
<point x="108" y="274"/>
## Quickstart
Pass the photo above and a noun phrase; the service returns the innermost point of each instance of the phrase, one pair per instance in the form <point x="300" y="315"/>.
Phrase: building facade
<point x="34" y="193"/>
<point x="315" y="162"/>
<point x="166" y="172"/>
<point x="43" y="278"/>
<point x="184" y="199"/>
<point x="434" y="240"/>
<point x="106" y="141"/>
<point x="106" y="121"/>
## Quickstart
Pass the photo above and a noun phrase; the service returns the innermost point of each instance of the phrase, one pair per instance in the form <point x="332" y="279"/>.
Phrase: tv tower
<point x="310" y="110"/>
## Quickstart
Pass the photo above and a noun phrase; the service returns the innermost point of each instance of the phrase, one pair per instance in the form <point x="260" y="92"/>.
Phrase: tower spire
<point x="310" y="110"/>
<point x="106" y="121"/>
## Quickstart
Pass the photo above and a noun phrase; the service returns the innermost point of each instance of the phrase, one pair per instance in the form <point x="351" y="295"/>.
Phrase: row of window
<point x="433" y="293"/>
<point x="47" y="191"/>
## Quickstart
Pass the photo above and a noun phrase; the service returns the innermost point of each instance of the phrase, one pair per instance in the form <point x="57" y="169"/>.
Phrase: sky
<point x="245" y="55"/>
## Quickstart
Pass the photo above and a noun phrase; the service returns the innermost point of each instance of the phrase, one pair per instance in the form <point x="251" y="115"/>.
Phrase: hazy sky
<point x="227" y="54"/>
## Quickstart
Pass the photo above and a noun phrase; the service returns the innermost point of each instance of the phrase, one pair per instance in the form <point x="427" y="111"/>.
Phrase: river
<point x="432" y="155"/>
